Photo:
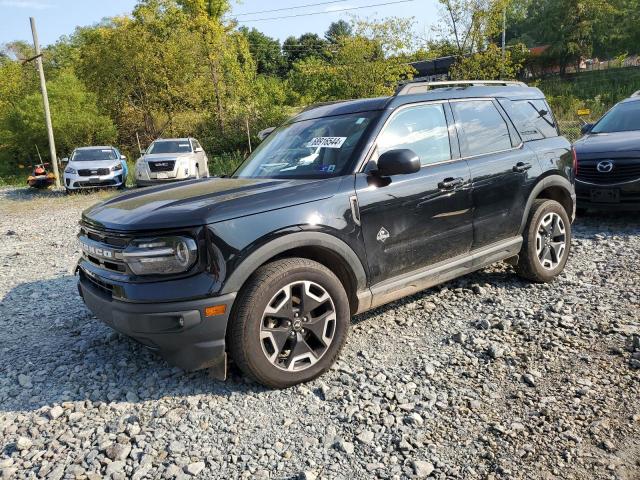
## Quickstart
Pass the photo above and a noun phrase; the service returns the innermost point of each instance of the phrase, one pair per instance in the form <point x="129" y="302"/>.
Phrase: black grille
<point x="103" y="183"/>
<point x="113" y="241"/>
<point x="103" y="287"/>
<point x="624" y="170"/>
<point x="164" y="166"/>
<point x="93" y="172"/>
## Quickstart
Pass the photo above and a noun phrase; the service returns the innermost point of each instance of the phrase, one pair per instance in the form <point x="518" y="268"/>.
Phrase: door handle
<point x="522" y="167"/>
<point x="451" y="183"/>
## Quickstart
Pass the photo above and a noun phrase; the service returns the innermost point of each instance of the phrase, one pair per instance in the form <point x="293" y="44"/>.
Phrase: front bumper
<point x="76" y="182"/>
<point x="179" y="331"/>
<point x="628" y="195"/>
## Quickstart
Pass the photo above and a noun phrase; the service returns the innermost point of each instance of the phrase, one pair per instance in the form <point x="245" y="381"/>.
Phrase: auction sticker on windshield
<point x="326" y="142"/>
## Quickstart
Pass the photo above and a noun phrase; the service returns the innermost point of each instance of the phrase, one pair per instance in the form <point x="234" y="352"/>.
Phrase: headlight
<point x="71" y="171"/>
<point x="117" y="167"/>
<point x="161" y="255"/>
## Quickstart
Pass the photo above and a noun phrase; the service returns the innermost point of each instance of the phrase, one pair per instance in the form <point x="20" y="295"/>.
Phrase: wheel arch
<point x="323" y="248"/>
<point x="553" y="187"/>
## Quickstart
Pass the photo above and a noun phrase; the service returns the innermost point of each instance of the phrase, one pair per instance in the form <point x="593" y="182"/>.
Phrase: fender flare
<point x="288" y="242"/>
<point x="549" y="181"/>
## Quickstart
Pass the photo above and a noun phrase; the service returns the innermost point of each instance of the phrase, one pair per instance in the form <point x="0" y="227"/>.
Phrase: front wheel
<point x="547" y="241"/>
<point x="290" y="323"/>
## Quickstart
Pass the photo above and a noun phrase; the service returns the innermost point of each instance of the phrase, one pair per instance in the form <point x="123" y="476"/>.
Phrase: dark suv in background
<point x="346" y="207"/>
<point x="608" y="173"/>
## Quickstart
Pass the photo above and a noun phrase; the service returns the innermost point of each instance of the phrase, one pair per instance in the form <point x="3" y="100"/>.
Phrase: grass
<point x="597" y="91"/>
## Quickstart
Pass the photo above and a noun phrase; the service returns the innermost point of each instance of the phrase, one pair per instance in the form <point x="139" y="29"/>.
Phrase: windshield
<point x="170" y="146"/>
<point x="624" y="117"/>
<point x="316" y="148"/>
<point x="94" y="154"/>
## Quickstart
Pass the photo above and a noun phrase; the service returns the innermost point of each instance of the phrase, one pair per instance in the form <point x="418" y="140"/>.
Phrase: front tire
<point x="290" y="323"/>
<point x="547" y="242"/>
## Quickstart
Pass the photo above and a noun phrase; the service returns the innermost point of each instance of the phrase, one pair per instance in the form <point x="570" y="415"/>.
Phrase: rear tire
<point x="290" y="323"/>
<point x="547" y="242"/>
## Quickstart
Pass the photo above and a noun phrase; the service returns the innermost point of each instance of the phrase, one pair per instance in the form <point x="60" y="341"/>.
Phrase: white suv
<point x="92" y="167"/>
<point x="171" y="159"/>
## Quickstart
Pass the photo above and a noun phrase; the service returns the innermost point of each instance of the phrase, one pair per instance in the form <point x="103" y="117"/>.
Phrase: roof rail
<point x="421" y="86"/>
<point x="637" y="94"/>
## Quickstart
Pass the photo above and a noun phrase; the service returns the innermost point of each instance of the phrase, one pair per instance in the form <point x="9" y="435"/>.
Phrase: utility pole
<point x="504" y="38"/>
<point x="45" y="101"/>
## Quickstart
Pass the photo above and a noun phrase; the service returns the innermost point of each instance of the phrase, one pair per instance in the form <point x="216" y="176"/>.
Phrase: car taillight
<point x="575" y="161"/>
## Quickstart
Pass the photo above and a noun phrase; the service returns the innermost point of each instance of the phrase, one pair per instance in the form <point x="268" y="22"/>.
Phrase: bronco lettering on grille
<point x="95" y="251"/>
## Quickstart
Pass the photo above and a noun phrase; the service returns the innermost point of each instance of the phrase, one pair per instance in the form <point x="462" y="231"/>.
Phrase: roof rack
<point x="637" y="94"/>
<point x="421" y="86"/>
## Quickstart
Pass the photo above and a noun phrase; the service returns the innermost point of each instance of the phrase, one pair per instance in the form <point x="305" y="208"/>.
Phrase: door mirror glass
<point x="65" y="160"/>
<point x="398" y="162"/>
<point x="586" y="128"/>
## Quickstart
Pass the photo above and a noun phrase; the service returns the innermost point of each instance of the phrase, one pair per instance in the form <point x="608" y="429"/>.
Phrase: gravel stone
<point x="23" y="443"/>
<point x="422" y="469"/>
<point x="194" y="468"/>
<point x="366" y="437"/>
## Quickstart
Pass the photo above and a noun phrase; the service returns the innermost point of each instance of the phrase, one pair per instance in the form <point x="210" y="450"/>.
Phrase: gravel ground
<point x="485" y="377"/>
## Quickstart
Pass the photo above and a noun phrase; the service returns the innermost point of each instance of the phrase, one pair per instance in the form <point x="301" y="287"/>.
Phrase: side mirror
<point x="123" y="157"/>
<point x="398" y="162"/>
<point x="262" y="134"/>
<point x="199" y="149"/>
<point x="143" y="151"/>
<point x="586" y="128"/>
<point x="65" y="160"/>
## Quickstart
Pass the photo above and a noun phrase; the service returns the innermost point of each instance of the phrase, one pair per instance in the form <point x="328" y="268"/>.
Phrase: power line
<point x="290" y="8"/>
<point x="324" y="13"/>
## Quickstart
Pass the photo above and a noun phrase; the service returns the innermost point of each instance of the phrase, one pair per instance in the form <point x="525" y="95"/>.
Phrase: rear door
<point x="414" y="221"/>
<point x="500" y="165"/>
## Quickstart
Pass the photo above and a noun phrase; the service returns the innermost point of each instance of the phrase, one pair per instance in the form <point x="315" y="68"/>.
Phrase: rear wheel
<point x="290" y="323"/>
<point x="547" y="241"/>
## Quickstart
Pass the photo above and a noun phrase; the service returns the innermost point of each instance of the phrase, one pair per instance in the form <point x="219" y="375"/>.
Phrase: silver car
<point x="171" y="159"/>
<point x="92" y="167"/>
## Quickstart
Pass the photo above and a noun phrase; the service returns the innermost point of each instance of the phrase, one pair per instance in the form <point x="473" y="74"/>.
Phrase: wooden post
<point x="45" y="101"/>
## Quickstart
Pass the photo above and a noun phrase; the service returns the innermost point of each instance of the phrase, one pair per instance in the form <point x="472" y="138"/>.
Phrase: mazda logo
<point x="605" y="166"/>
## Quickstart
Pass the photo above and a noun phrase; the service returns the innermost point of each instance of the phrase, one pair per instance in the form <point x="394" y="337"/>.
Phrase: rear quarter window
<point x="532" y="118"/>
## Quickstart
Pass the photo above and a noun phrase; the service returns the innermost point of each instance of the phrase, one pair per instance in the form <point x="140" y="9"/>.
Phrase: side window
<point x="533" y="118"/>
<point x="422" y="129"/>
<point x="482" y="128"/>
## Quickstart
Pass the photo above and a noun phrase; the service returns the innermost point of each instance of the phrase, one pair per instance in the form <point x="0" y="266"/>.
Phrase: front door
<point x="413" y="221"/>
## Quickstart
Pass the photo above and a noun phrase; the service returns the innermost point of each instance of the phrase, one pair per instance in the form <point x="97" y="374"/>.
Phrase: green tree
<point x="338" y="30"/>
<point x="488" y="65"/>
<point x="266" y="52"/>
<point x="305" y="46"/>
<point x="75" y="117"/>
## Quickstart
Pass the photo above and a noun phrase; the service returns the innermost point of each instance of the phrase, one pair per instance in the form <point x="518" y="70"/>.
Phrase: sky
<point x="55" y="18"/>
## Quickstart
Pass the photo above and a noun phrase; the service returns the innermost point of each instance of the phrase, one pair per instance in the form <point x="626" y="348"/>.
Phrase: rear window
<point x="532" y="118"/>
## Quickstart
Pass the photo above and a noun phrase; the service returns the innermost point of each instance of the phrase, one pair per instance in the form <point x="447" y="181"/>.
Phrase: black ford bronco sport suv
<point x="346" y="207"/>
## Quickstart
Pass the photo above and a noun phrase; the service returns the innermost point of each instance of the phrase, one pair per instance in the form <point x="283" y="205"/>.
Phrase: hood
<point x="201" y="202"/>
<point x="93" y="164"/>
<point x="614" y="145"/>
